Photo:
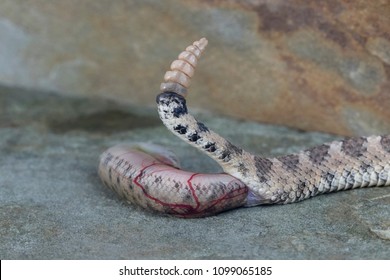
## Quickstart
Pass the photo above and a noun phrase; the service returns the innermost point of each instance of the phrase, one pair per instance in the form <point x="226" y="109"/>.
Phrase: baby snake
<point x="149" y="175"/>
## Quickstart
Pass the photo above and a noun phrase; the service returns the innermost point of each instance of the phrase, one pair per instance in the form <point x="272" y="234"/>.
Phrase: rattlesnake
<point x="149" y="176"/>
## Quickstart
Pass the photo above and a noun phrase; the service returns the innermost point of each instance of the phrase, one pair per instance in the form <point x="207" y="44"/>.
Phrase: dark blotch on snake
<point x="301" y="186"/>
<point x="167" y="98"/>
<point x="350" y="179"/>
<point x="188" y="198"/>
<point x="158" y="180"/>
<point x="354" y="147"/>
<point x="210" y="147"/>
<point x="364" y="167"/>
<point x="202" y="127"/>
<point x="225" y="155"/>
<point x="213" y="195"/>
<point x="318" y="154"/>
<point x="181" y="129"/>
<point x="328" y="177"/>
<point x="193" y="137"/>
<point x="179" y="111"/>
<point x="242" y="168"/>
<point x="263" y="167"/>
<point x="385" y="142"/>
<point x="290" y="162"/>
<point x="230" y="151"/>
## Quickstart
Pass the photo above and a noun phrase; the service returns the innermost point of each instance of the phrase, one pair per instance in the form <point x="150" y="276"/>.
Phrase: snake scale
<point x="149" y="176"/>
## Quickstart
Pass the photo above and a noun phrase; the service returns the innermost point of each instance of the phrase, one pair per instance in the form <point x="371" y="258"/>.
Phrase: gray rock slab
<point x="53" y="205"/>
<point x="313" y="66"/>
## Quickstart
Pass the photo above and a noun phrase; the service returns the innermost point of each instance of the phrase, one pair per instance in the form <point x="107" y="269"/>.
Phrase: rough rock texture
<point x="314" y="65"/>
<point x="53" y="206"/>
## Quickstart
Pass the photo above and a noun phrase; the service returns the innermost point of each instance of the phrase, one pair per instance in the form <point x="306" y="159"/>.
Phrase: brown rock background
<point x="313" y="65"/>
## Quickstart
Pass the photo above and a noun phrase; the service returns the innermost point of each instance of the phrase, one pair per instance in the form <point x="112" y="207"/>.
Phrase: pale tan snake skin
<point x="149" y="176"/>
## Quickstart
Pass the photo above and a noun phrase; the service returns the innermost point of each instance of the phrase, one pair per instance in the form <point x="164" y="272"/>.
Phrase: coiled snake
<point x="149" y="176"/>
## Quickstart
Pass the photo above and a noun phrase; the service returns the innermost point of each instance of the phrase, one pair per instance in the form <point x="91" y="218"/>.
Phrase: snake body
<point x="149" y="176"/>
<point x="146" y="176"/>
